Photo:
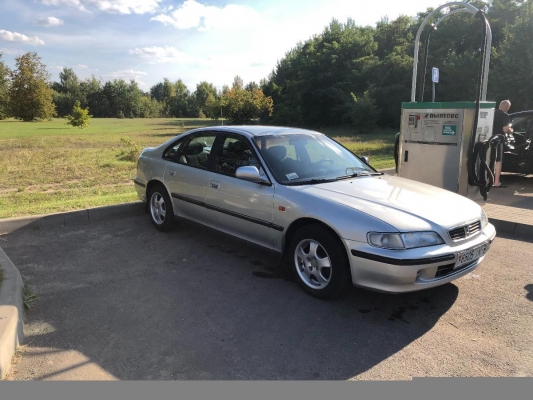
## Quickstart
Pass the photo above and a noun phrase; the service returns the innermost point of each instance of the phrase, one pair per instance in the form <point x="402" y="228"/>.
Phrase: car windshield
<point x="297" y="159"/>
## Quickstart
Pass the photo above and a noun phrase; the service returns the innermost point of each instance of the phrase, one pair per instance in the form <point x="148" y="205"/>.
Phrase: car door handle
<point x="172" y="173"/>
<point x="214" y="184"/>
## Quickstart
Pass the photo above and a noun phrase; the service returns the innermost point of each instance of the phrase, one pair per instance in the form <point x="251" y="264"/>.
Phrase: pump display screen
<point x="413" y="120"/>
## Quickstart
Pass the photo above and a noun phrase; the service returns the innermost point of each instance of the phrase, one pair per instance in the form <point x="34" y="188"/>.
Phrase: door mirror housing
<point x="251" y="174"/>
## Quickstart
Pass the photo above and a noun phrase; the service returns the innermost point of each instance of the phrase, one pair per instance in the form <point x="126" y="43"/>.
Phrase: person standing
<point x="501" y="126"/>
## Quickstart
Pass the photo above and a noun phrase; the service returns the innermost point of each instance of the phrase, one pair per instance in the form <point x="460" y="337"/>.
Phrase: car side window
<point x="196" y="152"/>
<point x="171" y="151"/>
<point x="522" y="125"/>
<point x="234" y="153"/>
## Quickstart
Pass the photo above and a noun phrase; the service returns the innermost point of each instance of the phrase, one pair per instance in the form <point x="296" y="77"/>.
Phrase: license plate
<point x="468" y="256"/>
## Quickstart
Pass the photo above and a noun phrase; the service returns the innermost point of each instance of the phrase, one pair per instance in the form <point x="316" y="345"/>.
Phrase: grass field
<point x="50" y="167"/>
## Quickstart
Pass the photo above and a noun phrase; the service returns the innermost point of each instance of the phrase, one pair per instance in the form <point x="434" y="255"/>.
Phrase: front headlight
<point x="484" y="219"/>
<point x="409" y="240"/>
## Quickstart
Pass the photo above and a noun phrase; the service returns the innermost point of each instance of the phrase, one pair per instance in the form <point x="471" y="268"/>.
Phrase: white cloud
<point x="192" y="14"/>
<point x="127" y="75"/>
<point x="126" y="6"/>
<point x="12" y="52"/>
<point x="81" y="66"/>
<point x="165" y="54"/>
<point x="111" y="6"/>
<point x="70" y="3"/>
<point x="19" y="37"/>
<point x="49" y="22"/>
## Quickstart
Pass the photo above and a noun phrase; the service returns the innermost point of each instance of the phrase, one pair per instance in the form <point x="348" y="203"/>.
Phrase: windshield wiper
<point x="311" y="181"/>
<point x="358" y="174"/>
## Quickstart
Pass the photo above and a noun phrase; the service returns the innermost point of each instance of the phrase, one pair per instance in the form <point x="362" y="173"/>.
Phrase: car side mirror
<point x="366" y="160"/>
<point x="251" y="174"/>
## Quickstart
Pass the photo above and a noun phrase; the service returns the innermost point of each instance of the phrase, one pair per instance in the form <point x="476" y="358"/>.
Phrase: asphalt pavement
<point x="119" y="300"/>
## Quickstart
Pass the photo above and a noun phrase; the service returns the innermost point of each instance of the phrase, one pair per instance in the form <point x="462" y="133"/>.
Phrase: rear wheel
<point x="161" y="211"/>
<point x="319" y="262"/>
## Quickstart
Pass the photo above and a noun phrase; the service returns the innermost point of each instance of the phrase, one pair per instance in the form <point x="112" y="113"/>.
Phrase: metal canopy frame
<point x="470" y="9"/>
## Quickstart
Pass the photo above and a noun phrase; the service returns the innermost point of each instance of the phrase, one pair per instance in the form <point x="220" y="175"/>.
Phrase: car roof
<point x="259" y="130"/>
<point x="521" y="114"/>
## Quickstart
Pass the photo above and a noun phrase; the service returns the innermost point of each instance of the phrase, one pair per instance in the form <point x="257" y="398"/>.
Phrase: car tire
<point x="160" y="208"/>
<point x="319" y="262"/>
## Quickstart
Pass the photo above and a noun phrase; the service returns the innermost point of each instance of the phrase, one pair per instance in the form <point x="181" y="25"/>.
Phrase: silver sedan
<point x="333" y="218"/>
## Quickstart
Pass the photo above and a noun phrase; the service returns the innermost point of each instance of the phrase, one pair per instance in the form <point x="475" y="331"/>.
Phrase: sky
<point x="191" y="40"/>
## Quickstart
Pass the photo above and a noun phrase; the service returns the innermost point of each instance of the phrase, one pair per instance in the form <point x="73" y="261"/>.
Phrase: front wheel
<point x="319" y="262"/>
<point x="161" y="211"/>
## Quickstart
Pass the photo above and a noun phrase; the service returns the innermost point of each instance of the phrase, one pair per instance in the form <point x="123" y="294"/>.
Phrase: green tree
<point x="312" y="84"/>
<point x="133" y="100"/>
<point x="150" y="108"/>
<point x="364" y="113"/>
<point x="237" y="82"/>
<point x="182" y="101"/>
<point x="241" y="106"/>
<point x="204" y="91"/>
<point x="80" y="117"/>
<point x="501" y="14"/>
<point x="512" y="77"/>
<point x="30" y="96"/>
<point x="92" y="96"/>
<point x="4" y="89"/>
<point x="156" y="91"/>
<point x="124" y="98"/>
<point x="251" y="86"/>
<point x="67" y="91"/>
<point x="213" y="107"/>
<point x="168" y="98"/>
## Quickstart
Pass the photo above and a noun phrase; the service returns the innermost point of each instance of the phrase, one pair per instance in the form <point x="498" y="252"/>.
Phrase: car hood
<point x="402" y="203"/>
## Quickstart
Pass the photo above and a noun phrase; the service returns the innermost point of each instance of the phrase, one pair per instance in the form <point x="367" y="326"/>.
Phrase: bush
<point x="80" y="117"/>
<point x="364" y="113"/>
<point x="132" y="153"/>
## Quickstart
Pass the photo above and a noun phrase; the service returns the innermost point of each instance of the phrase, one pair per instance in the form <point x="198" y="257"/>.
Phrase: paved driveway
<point x="120" y="300"/>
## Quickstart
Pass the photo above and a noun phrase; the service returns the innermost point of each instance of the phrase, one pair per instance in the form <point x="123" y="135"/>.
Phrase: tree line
<point x="26" y="93"/>
<point x="359" y="76"/>
<point x="346" y="75"/>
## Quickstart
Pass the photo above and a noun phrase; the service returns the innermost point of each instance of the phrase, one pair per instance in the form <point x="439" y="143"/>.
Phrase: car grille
<point x="447" y="269"/>
<point x="465" y="231"/>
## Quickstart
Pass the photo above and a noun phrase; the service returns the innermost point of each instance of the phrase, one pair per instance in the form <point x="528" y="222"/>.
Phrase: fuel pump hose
<point x="479" y="179"/>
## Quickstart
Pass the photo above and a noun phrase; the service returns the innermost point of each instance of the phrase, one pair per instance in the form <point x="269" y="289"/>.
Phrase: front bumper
<point x="398" y="271"/>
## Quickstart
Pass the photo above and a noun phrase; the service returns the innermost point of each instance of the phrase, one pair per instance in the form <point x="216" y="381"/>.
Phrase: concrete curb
<point x="11" y="313"/>
<point x="512" y="228"/>
<point x="80" y="217"/>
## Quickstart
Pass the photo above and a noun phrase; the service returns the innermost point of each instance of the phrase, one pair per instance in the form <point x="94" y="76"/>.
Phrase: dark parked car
<point x="518" y="146"/>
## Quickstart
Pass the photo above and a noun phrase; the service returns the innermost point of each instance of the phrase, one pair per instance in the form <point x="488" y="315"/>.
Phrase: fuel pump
<point x="445" y="144"/>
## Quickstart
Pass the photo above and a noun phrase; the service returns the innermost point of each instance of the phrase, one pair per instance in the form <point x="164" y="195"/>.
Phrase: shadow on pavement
<point x="529" y="289"/>
<point x="518" y="193"/>
<point x="196" y="304"/>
